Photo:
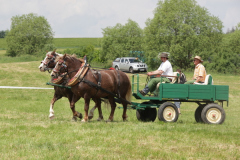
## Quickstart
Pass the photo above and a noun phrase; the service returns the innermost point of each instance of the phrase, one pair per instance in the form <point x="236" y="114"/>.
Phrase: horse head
<point x="49" y="61"/>
<point x="66" y="63"/>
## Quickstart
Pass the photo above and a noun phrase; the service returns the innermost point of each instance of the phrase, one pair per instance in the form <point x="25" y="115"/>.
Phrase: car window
<point x="134" y="60"/>
<point x="122" y="60"/>
<point x="117" y="60"/>
<point x="126" y="61"/>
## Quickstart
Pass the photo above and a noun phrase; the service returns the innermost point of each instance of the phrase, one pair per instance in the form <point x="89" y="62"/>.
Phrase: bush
<point x="28" y="35"/>
<point x="91" y="53"/>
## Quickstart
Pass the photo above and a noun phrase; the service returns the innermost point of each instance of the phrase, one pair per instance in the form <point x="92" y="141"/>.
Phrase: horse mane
<point x="71" y="57"/>
<point x="82" y="60"/>
<point x="49" y="53"/>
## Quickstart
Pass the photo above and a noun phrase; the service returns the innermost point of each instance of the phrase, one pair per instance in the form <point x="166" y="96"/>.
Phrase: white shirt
<point x="166" y="67"/>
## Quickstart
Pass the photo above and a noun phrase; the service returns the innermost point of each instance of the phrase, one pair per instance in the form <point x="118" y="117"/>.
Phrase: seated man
<point x="199" y="72"/>
<point x="164" y="69"/>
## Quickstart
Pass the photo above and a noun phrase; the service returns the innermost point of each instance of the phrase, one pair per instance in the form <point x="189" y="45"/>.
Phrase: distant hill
<point x="76" y="42"/>
<point x="65" y="42"/>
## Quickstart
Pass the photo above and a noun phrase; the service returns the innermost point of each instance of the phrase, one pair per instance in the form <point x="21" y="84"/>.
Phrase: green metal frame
<point x="184" y="92"/>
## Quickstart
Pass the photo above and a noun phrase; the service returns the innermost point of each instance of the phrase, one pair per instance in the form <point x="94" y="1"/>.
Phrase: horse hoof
<point x="90" y="117"/>
<point x="83" y="120"/>
<point x="74" y="119"/>
<point x="80" y="115"/>
<point x="108" y="120"/>
<point x="99" y="119"/>
<point x="51" y="118"/>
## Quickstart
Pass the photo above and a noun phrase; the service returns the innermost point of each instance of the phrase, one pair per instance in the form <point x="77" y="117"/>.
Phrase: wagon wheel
<point x="168" y="112"/>
<point x="116" y="67"/>
<point x="213" y="114"/>
<point x="149" y="114"/>
<point x="131" y="70"/>
<point x="198" y="112"/>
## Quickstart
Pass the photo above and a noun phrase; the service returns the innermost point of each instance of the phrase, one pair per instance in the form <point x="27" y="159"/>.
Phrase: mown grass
<point x="27" y="133"/>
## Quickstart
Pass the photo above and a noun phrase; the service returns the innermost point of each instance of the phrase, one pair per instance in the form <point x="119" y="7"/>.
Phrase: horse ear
<point x="64" y="56"/>
<point x="81" y="60"/>
<point x="47" y="51"/>
<point x="53" y="53"/>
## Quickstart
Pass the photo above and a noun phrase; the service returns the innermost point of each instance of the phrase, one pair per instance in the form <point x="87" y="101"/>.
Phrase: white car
<point x="131" y="64"/>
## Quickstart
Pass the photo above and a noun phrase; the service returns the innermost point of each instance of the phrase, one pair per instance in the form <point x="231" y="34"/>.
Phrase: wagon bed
<point x="207" y="97"/>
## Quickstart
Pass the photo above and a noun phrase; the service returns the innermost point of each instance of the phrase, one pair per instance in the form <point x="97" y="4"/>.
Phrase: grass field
<point x="27" y="133"/>
<point x="76" y="42"/>
<point x="65" y="42"/>
<point x="3" y="44"/>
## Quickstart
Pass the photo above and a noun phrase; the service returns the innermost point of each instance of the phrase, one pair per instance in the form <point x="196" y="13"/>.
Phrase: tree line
<point x="180" y="27"/>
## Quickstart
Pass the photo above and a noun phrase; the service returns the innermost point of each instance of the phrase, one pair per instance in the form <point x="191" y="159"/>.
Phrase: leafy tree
<point x="184" y="29"/>
<point x="120" y="40"/>
<point x="227" y="59"/>
<point x="28" y="35"/>
<point x="91" y="53"/>
<point x="3" y="34"/>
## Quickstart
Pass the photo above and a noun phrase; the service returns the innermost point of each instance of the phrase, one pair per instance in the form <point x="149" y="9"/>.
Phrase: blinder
<point x="52" y="59"/>
<point x="63" y="66"/>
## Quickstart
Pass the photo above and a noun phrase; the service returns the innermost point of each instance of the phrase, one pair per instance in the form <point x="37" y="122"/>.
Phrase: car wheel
<point x="116" y="67"/>
<point x="147" y="114"/>
<point x="198" y="113"/>
<point x="168" y="112"/>
<point x="213" y="114"/>
<point x="131" y="70"/>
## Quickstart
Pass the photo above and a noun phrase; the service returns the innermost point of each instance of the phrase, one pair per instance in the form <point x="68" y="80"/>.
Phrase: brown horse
<point x="48" y="64"/>
<point x="114" y="82"/>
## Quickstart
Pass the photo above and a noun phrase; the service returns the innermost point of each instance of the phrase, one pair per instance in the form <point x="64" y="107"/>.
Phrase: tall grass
<point x="27" y="133"/>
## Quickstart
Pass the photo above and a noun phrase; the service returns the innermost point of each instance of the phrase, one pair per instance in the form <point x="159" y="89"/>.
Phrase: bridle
<point x="52" y="59"/>
<point x="63" y="66"/>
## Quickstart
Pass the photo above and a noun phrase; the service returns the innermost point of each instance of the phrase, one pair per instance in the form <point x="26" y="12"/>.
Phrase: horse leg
<point x="100" y="117"/>
<point x="79" y="115"/>
<point x="98" y="105"/>
<point x="51" y="111"/>
<point x="113" y="107"/>
<point x="86" y="107"/>
<point x="124" y="116"/>
<point x="72" y="106"/>
<point x="91" y="113"/>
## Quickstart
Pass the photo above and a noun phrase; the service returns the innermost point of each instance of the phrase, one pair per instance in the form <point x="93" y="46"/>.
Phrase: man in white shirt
<point x="164" y="69"/>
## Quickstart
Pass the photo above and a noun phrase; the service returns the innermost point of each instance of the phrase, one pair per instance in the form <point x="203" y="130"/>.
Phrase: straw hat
<point x="163" y="54"/>
<point x="199" y="58"/>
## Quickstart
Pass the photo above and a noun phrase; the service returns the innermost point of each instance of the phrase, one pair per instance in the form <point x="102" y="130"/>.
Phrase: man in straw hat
<point x="199" y="72"/>
<point x="164" y="69"/>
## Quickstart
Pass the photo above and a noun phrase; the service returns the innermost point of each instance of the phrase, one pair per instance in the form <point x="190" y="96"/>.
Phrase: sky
<point x="87" y="18"/>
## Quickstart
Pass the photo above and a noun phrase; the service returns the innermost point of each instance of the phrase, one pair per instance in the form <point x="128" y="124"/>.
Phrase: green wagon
<point x="209" y="98"/>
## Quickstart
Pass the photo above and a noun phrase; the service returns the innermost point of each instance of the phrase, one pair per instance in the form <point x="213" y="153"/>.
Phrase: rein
<point x="47" y="63"/>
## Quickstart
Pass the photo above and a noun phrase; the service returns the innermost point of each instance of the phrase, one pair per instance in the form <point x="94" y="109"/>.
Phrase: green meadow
<point x="65" y="42"/>
<point x="60" y="43"/>
<point x="27" y="132"/>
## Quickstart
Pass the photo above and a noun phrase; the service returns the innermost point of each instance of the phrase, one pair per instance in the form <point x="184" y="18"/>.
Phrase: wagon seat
<point x="208" y="80"/>
<point x="175" y="79"/>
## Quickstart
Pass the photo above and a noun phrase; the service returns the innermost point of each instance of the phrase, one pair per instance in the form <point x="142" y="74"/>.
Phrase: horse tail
<point x="129" y="92"/>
